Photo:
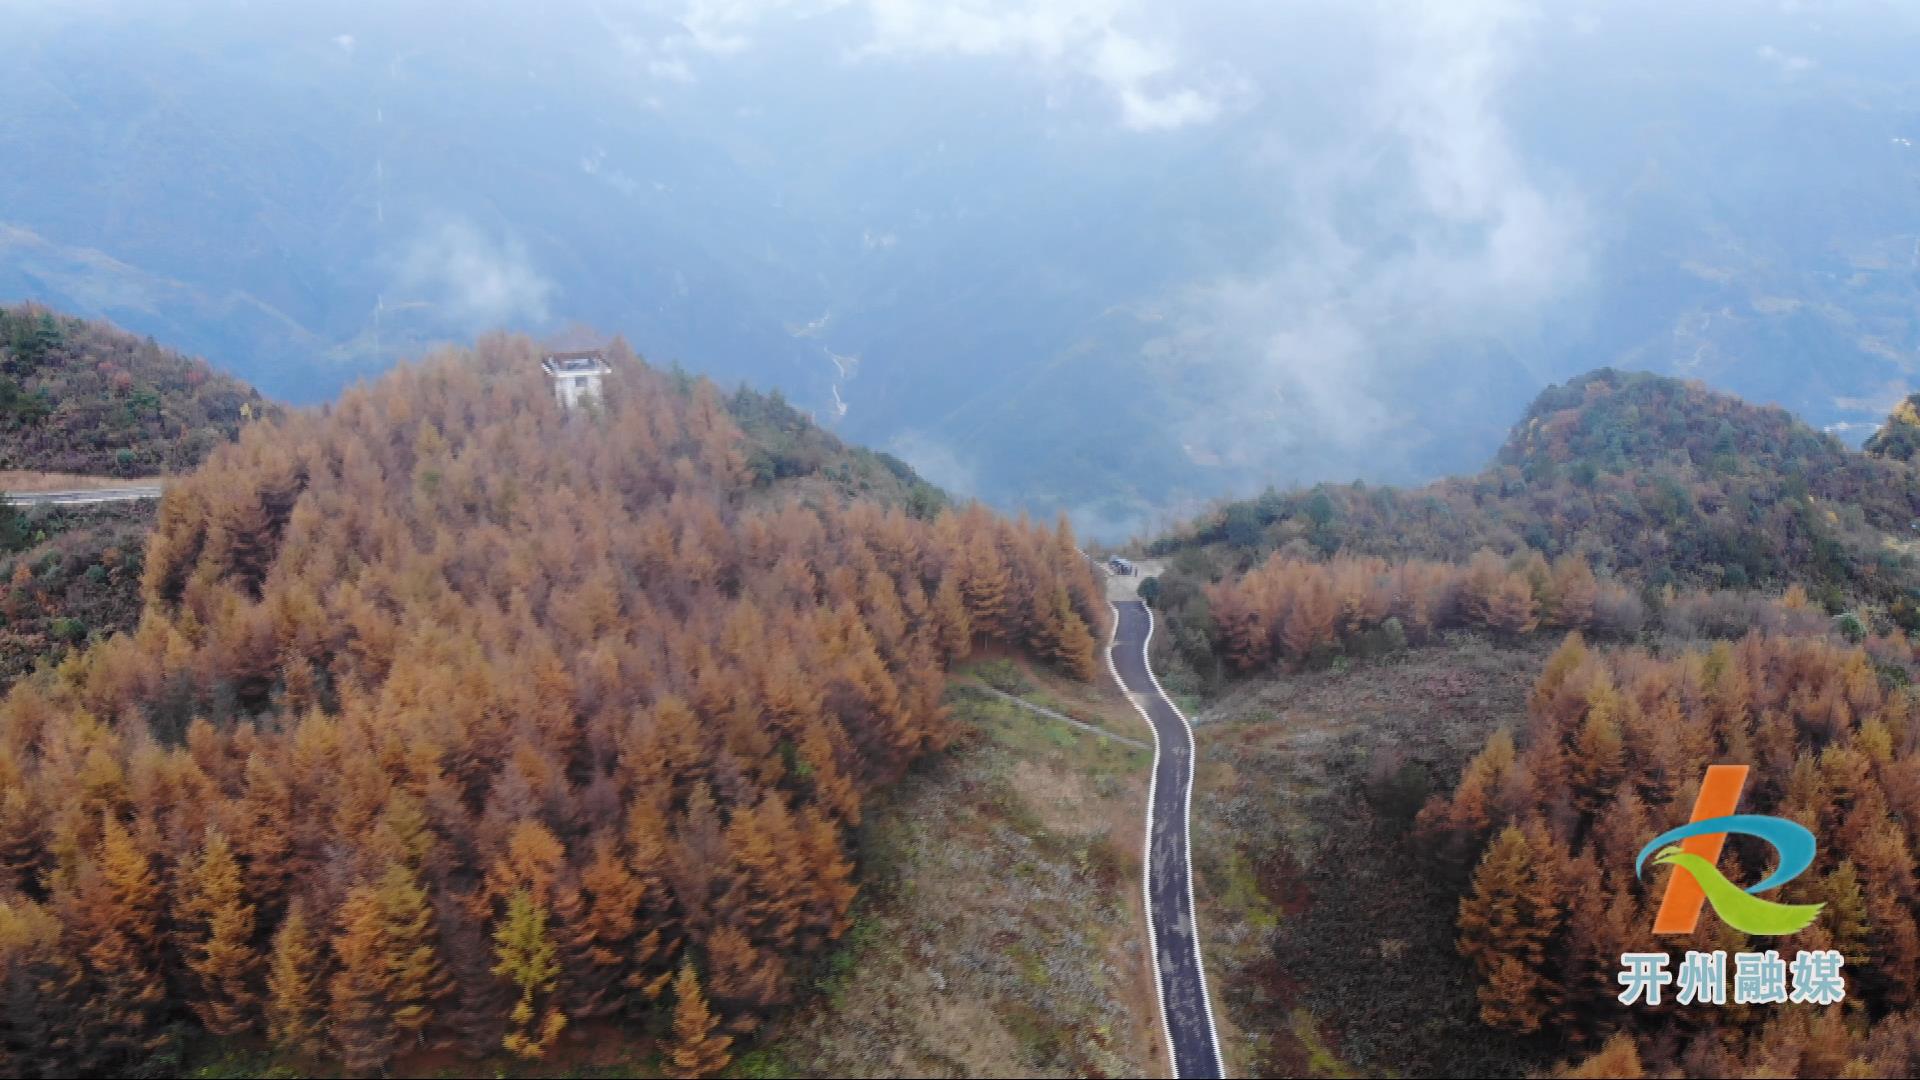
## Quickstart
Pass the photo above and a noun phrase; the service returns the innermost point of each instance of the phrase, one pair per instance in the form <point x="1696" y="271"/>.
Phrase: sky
<point x="1111" y="257"/>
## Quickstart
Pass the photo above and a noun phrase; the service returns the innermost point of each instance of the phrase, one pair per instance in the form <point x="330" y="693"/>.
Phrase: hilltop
<point x="1654" y="479"/>
<point x="78" y="396"/>
<point x="450" y="669"/>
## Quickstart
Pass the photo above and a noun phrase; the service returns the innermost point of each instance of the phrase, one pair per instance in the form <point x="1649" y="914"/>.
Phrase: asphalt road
<point x="1184" y="1006"/>
<point x="82" y="498"/>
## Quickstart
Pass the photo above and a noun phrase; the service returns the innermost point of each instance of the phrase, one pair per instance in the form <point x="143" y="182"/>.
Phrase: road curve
<point x="82" y="498"/>
<point x="1186" y="1013"/>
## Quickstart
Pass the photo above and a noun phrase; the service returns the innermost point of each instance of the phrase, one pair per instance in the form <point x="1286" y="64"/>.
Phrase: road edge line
<point x="1146" y="851"/>
<point x="1193" y="909"/>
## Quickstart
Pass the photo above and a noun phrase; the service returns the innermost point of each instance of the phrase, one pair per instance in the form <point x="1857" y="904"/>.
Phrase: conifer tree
<point x="596" y="919"/>
<point x="1510" y="608"/>
<point x="216" y="927"/>
<point x="1505" y="925"/>
<point x="360" y="1018"/>
<point x="985" y="586"/>
<point x="697" y="1050"/>
<point x="1309" y="622"/>
<point x="33" y="968"/>
<point x="113" y="924"/>
<point x="407" y="933"/>
<point x="296" y="1007"/>
<point x="1071" y="645"/>
<point x="526" y="957"/>
<point x="950" y="615"/>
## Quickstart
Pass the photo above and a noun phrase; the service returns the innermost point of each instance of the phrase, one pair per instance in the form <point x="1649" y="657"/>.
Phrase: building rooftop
<point x="575" y="363"/>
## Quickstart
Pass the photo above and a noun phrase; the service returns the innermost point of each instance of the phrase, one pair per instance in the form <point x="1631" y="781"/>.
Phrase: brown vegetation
<point x="84" y="397"/>
<point x="1613" y="751"/>
<point x="1293" y="608"/>
<point x="1652" y="480"/>
<point x="457" y="682"/>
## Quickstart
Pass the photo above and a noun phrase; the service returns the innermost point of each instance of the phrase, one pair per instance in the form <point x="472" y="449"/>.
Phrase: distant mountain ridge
<point x="1652" y="478"/>
<point x="80" y="396"/>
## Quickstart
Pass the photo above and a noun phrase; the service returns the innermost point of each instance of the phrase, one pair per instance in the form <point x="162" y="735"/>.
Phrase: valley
<point x="1366" y="704"/>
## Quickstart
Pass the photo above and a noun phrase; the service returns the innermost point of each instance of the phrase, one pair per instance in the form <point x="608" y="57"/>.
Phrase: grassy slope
<point x="1330" y="942"/>
<point x="1000" y="931"/>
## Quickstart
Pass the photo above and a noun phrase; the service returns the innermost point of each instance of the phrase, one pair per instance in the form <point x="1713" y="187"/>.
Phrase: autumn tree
<point x="389" y="978"/>
<point x="697" y="1049"/>
<point x="527" y="958"/>
<point x="1510" y="607"/>
<point x="296" y="1003"/>
<point x="215" y="927"/>
<point x="1506" y="923"/>
<point x="1613" y="750"/>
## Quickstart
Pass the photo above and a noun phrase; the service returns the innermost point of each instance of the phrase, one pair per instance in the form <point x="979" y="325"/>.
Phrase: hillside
<point x="83" y="397"/>
<point x="1420" y="763"/>
<point x="789" y="450"/>
<point x="78" y="396"/>
<point x="1899" y="437"/>
<point x="1653" y="479"/>
<point x="444" y="672"/>
<point x="68" y="575"/>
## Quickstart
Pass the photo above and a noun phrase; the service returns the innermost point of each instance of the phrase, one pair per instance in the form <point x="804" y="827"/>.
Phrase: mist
<point x="1110" y="258"/>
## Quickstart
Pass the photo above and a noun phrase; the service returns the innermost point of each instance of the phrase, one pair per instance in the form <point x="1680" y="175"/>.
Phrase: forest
<point x="1727" y="585"/>
<point x="1293" y="609"/>
<point x="456" y="721"/>
<point x="78" y="396"/>
<point x="1612" y="752"/>
<point x="1651" y="479"/>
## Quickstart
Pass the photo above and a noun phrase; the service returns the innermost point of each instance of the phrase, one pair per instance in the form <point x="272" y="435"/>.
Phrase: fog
<point x="1099" y="256"/>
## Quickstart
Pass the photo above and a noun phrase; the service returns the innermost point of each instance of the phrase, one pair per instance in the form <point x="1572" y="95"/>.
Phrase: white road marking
<point x="1146" y="874"/>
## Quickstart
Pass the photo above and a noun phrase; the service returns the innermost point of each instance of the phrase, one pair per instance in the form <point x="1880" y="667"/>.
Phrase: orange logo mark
<point x="1719" y="794"/>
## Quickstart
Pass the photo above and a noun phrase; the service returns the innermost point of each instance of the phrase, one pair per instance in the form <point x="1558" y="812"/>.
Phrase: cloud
<point x="1788" y="63"/>
<point x="1315" y="349"/>
<point x="473" y="280"/>
<point x="1109" y="43"/>
<point x="1113" y="46"/>
<point x="940" y="463"/>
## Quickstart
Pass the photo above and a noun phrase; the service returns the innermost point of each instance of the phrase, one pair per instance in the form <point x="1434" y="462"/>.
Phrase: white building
<point x="576" y="375"/>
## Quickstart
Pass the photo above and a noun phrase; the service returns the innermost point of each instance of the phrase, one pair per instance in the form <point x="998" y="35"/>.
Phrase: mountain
<point x="1654" y="479"/>
<point x="576" y="711"/>
<point x="1274" y="246"/>
<point x="79" y="396"/>
<point x="1436" y="725"/>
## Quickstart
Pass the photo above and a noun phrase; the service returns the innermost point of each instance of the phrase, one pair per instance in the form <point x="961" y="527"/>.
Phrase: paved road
<point x="1184" y="1007"/>
<point x="82" y="498"/>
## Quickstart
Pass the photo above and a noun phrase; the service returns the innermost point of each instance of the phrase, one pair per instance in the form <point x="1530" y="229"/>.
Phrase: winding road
<point x="1185" y="1011"/>
<point x="82" y="498"/>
